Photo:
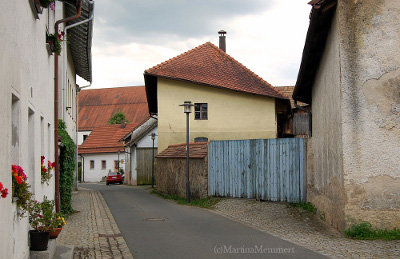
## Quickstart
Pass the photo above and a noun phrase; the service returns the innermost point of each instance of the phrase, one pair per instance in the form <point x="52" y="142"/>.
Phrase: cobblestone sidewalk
<point x="304" y="229"/>
<point x="92" y="230"/>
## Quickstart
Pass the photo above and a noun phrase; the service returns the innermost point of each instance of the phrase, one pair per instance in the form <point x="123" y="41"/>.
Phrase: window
<point x="103" y="164"/>
<point x="200" y="111"/>
<point x="91" y="164"/>
<point x="85" y="137"/>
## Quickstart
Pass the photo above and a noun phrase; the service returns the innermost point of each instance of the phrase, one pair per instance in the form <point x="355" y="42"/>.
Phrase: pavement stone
<point x="303" y="228"/>
<point x="92" y="230"/>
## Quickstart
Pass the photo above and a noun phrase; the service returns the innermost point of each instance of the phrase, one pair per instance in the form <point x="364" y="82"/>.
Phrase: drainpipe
<point x="57" y="167"/>
<point x="65" y="54"/>
<point x="78" y="88"/>
<point x="309" y="117"/>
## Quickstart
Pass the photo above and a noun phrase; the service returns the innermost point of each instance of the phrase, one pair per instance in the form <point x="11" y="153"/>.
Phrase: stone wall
<point x="171" y="177"/>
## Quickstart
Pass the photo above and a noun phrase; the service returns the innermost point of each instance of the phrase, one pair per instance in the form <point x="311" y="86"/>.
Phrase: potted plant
<point x="54" y="40"/>
<point x="46" y="3"/>
<point x="41" y="218"/>
<point x="45" y="171"/>
<point x="3" y="191"/>
<point x="58" y="223"/>
<point x="20" y="187"/>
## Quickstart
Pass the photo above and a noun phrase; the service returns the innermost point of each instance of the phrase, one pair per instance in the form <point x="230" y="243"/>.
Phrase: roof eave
<point x="318" y="30"/>
<point x="80" y="39"/>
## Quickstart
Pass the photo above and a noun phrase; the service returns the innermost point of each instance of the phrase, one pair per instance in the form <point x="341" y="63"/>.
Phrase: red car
<point x="114" y="178"/>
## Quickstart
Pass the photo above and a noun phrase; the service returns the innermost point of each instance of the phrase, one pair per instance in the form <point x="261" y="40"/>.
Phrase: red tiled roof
<point x="96" y="106"/>
<point x="105" y="139"/>
<point x="288" y="92"/>
<point x="196" y="150"/>
<point x="209" y="65"/>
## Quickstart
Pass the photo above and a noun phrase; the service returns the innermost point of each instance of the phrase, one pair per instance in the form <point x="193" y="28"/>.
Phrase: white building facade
<point x="27" y="72"/>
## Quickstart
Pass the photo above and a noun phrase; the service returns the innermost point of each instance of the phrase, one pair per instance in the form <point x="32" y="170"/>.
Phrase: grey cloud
<point x="150" y="21"/>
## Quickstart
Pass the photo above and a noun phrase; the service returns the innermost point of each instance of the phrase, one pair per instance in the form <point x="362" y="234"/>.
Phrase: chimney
<point x="222" y="41"/>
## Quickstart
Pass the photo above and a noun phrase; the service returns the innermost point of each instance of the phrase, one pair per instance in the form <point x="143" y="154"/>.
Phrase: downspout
<point x="57" y="167"/>
<point x="65" y="54"/>
<point x="309" y="117"/>
<point x="78" y="88"/>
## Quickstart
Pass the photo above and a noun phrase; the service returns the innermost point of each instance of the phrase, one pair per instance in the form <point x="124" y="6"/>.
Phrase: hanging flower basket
<point x="54" y="41"/>
<point x="45" y="3"/>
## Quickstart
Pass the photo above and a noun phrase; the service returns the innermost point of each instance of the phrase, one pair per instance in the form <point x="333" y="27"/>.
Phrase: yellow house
<point x="230" y="101"/>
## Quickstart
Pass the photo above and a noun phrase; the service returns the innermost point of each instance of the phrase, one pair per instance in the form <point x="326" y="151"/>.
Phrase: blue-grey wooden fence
<point x="266" y="169"/>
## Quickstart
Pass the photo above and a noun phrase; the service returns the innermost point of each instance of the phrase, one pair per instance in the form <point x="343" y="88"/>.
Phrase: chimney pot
<point x="222" y="40"/>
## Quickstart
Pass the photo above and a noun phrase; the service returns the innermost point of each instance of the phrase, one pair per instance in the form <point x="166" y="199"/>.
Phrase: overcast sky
<point x="130" y="36"/>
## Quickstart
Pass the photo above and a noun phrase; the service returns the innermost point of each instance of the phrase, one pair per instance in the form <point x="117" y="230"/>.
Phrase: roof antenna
<point x="222" y="41"/>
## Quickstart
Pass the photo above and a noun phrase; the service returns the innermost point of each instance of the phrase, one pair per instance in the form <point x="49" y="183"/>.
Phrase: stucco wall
<point x="97" y="173"/>
<point x="370" y="66"/>
<point x="325" y="169"/>
<point x="231" y="115"/>
<point x="27" y="75"/>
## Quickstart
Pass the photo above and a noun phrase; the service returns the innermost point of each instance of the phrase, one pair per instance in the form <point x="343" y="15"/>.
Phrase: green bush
<point x="364" y="231"/>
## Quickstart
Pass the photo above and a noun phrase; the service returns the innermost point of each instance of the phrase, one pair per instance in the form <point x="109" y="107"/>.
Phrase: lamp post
<point x="187" y="109"/>
<point x="118" y="159"/>
<point x="153" y="137"/>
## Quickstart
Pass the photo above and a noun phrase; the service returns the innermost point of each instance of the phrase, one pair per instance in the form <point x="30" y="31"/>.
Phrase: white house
<point x="27" y="99"/>
<point x="141" y="146"/>
<point x="103" y="152"/>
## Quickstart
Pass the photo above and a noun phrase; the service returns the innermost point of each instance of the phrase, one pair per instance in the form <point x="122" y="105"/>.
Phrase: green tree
<point x="117" y="118"/>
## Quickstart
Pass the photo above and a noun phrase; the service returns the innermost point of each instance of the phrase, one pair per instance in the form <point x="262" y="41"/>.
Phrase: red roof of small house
<point x="96" y="106"/>
<point x="208" y="65"/>
<point x="105" y="139"/>
<point x="196" y="150"/>
<point x="288" y="92"/>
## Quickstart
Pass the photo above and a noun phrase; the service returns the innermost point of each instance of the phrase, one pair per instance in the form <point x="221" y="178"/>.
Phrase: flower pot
<point x="54" y="234"/>
<point x="39" y="240"/>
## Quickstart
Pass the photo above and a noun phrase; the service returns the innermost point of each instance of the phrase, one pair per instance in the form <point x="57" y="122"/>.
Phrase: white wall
<point x="27" y="111"/>
<point x="96" y="174"/>
<point x="82" y="133"/>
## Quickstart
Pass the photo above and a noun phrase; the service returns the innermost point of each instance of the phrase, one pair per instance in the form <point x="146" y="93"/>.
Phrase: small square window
<point x="91" y="164"/>
<point x="200" y="111"/>
<point x="103" y="164"/>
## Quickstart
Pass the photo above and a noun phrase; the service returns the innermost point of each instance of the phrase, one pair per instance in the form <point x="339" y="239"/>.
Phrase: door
<point x="144" y="160"/>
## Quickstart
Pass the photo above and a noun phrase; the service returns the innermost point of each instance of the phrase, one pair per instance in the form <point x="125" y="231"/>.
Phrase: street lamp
<point x="187" y="109"/>
<point x="118" y="159"/>
<point x="153" y="137"/>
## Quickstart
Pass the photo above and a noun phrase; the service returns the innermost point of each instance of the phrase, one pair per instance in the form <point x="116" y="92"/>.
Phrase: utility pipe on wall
<point x="65" y="56"/>
<point x="57" y="167"/>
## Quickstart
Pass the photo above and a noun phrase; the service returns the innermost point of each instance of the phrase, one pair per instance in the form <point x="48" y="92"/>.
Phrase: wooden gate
<point x="144" y="159"/>
<point x="266" y="169"/>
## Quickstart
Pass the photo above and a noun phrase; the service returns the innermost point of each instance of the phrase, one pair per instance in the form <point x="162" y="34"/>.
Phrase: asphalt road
<point x="157" y="228"/>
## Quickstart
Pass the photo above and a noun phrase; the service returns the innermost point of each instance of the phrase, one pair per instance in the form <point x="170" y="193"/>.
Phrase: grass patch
<point x="206" y="203"/>
<point x="308" y="206"/>
<point x="364" y="231"/>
